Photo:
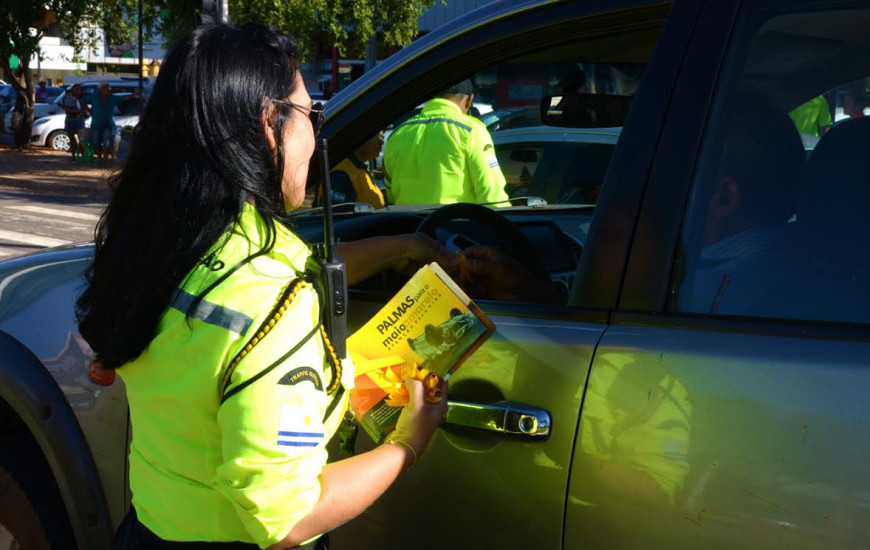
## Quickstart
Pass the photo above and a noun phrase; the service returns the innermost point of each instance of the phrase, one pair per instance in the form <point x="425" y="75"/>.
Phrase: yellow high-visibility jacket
<point x="442" y="156"/>
<point x="243" y="468"/>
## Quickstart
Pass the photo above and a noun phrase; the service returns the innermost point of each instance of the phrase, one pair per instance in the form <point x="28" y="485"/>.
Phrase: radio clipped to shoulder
<point x="331" y="269"/>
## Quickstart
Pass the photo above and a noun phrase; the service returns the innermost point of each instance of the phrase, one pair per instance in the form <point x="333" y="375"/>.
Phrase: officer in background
<point x="351" y="180"/>
<point x="443" y="155"/>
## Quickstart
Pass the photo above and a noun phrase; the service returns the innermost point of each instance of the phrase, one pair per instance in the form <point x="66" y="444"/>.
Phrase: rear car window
<point x="776" y="223"/>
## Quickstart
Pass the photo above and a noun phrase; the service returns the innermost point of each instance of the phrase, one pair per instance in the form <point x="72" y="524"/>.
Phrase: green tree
<point x="346" y="23"/>
<point x="23" y="24"/>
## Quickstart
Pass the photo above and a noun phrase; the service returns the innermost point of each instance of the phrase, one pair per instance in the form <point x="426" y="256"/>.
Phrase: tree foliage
<point x="347" y="24"/>
<point x="23" y="24"/>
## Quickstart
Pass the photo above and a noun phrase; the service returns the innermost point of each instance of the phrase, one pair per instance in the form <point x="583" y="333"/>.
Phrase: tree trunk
<point x="22" y="114"/>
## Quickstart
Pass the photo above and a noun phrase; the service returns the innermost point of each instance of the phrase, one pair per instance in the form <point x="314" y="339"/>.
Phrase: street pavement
<point x="46" y="200"/>
<point x="41" y="169"/>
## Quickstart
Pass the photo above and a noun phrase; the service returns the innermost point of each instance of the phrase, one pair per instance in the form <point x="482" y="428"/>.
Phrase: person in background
<point x="76" y="112"/>
<point x="443" y="155"/>
<point x="813" y="117"/>
<point x="103" y="128"/>
<point x="41" y="95"/>
<point x="351" y="179"/>
<point x="208" y="306"/>
<point x="854" y="104"/>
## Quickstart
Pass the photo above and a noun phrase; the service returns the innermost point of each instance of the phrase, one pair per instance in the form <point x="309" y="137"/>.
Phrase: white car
<point x="40" y="109"/>
<point x="48" y="131"/>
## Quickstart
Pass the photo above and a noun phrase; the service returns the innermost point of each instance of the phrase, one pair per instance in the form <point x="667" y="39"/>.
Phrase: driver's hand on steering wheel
<point x="494" y="275"/>
<point x="419" y="249"/>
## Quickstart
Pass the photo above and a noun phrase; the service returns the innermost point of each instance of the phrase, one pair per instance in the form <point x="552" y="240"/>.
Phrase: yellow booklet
<point x="429" y="324"/>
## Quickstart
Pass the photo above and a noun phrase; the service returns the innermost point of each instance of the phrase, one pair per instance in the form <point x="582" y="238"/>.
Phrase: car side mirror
<point x="585" y="110"/>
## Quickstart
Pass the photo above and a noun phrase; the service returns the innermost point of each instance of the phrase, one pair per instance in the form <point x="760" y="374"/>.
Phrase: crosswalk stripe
<point x="56" y="212"/>
<point x="25" y="238"/>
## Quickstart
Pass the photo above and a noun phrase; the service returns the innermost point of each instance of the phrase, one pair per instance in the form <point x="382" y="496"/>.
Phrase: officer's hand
<point x="494" y="275"/>
<point x="420" y="418"/>
<point x="419" y="249"/>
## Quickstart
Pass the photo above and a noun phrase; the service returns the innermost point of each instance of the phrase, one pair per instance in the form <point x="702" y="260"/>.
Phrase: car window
<point x="51" y="93"/>
<point x="584" y="175"/>
<point x="776" y="223"/>
<point x="508" y="97"/>
<point x="519" y="162"/>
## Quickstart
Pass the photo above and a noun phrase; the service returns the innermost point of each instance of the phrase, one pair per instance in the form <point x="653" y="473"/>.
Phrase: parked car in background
<point x="49" y="131"/>
<point x="529" y="156"/>
<point x="704" y="383"/>
<point x="120" y="87"/>
<point x="511" y="117"/>
<point x="8" y="96"/>
<point x="116" y="87"/>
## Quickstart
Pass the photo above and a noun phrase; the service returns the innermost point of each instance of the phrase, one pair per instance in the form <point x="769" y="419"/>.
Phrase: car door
<point x="725" y="404"/>
<point x="477" y="486"/>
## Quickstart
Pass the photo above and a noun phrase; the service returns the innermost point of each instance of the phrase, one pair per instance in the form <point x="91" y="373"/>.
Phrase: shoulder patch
<point x="302" y="374"/>
<point x="487" y="147"/>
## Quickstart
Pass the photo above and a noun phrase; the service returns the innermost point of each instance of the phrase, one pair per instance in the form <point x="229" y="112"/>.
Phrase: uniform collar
<point x="441" y="104"/>
<point x="252" y="228"/>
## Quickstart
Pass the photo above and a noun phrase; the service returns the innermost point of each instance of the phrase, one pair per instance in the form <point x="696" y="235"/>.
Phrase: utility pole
<point x="141" y="40"/>
<point x="223" y="11"/>
<point x="372" y="52"/>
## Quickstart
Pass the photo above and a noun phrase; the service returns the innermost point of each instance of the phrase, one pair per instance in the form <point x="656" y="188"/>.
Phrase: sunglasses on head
<point x="315" y="113"/>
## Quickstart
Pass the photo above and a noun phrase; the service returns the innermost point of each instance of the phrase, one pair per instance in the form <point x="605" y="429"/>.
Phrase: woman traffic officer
<point x="202" y="299"/>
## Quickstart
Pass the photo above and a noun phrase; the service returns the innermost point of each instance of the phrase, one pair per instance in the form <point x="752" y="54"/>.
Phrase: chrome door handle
<point x="503" y="417"/>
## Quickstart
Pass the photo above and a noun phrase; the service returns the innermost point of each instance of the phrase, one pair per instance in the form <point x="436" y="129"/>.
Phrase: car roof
<point x="552" y="133"/>
<point x="129" y="83"/>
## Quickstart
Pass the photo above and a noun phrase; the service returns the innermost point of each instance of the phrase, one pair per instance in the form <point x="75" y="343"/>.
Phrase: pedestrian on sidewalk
<point x="103" y="128"/>
<point x="205" y="302"/>
<point x="76" y="112"/>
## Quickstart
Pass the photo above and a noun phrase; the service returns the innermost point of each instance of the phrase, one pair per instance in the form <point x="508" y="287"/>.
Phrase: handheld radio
<point x="332" y="270"/>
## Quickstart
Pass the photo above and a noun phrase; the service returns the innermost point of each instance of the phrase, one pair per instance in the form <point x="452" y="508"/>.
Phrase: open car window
<point x="552" y="174"/>
<point x="507" y="103"/>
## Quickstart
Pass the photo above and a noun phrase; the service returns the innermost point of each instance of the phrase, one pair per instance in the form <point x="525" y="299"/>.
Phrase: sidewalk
<point x="41" y="169"/>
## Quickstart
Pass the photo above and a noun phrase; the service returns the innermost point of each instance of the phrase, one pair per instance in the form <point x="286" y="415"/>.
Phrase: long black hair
<point x="199" y="153"/>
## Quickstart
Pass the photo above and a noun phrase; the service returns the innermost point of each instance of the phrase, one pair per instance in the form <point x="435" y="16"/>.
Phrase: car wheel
<point x="32" y="514"/>
<point x="59" y="141"/>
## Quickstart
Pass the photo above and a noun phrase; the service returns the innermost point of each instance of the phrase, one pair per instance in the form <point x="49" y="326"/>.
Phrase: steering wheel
<point x="523" y="250"/>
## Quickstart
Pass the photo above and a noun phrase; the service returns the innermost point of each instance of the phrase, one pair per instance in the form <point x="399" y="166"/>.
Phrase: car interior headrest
<point x="836" y="185"/>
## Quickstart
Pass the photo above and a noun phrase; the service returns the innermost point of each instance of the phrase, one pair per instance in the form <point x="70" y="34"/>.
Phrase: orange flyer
<point x="429" y="324"/>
